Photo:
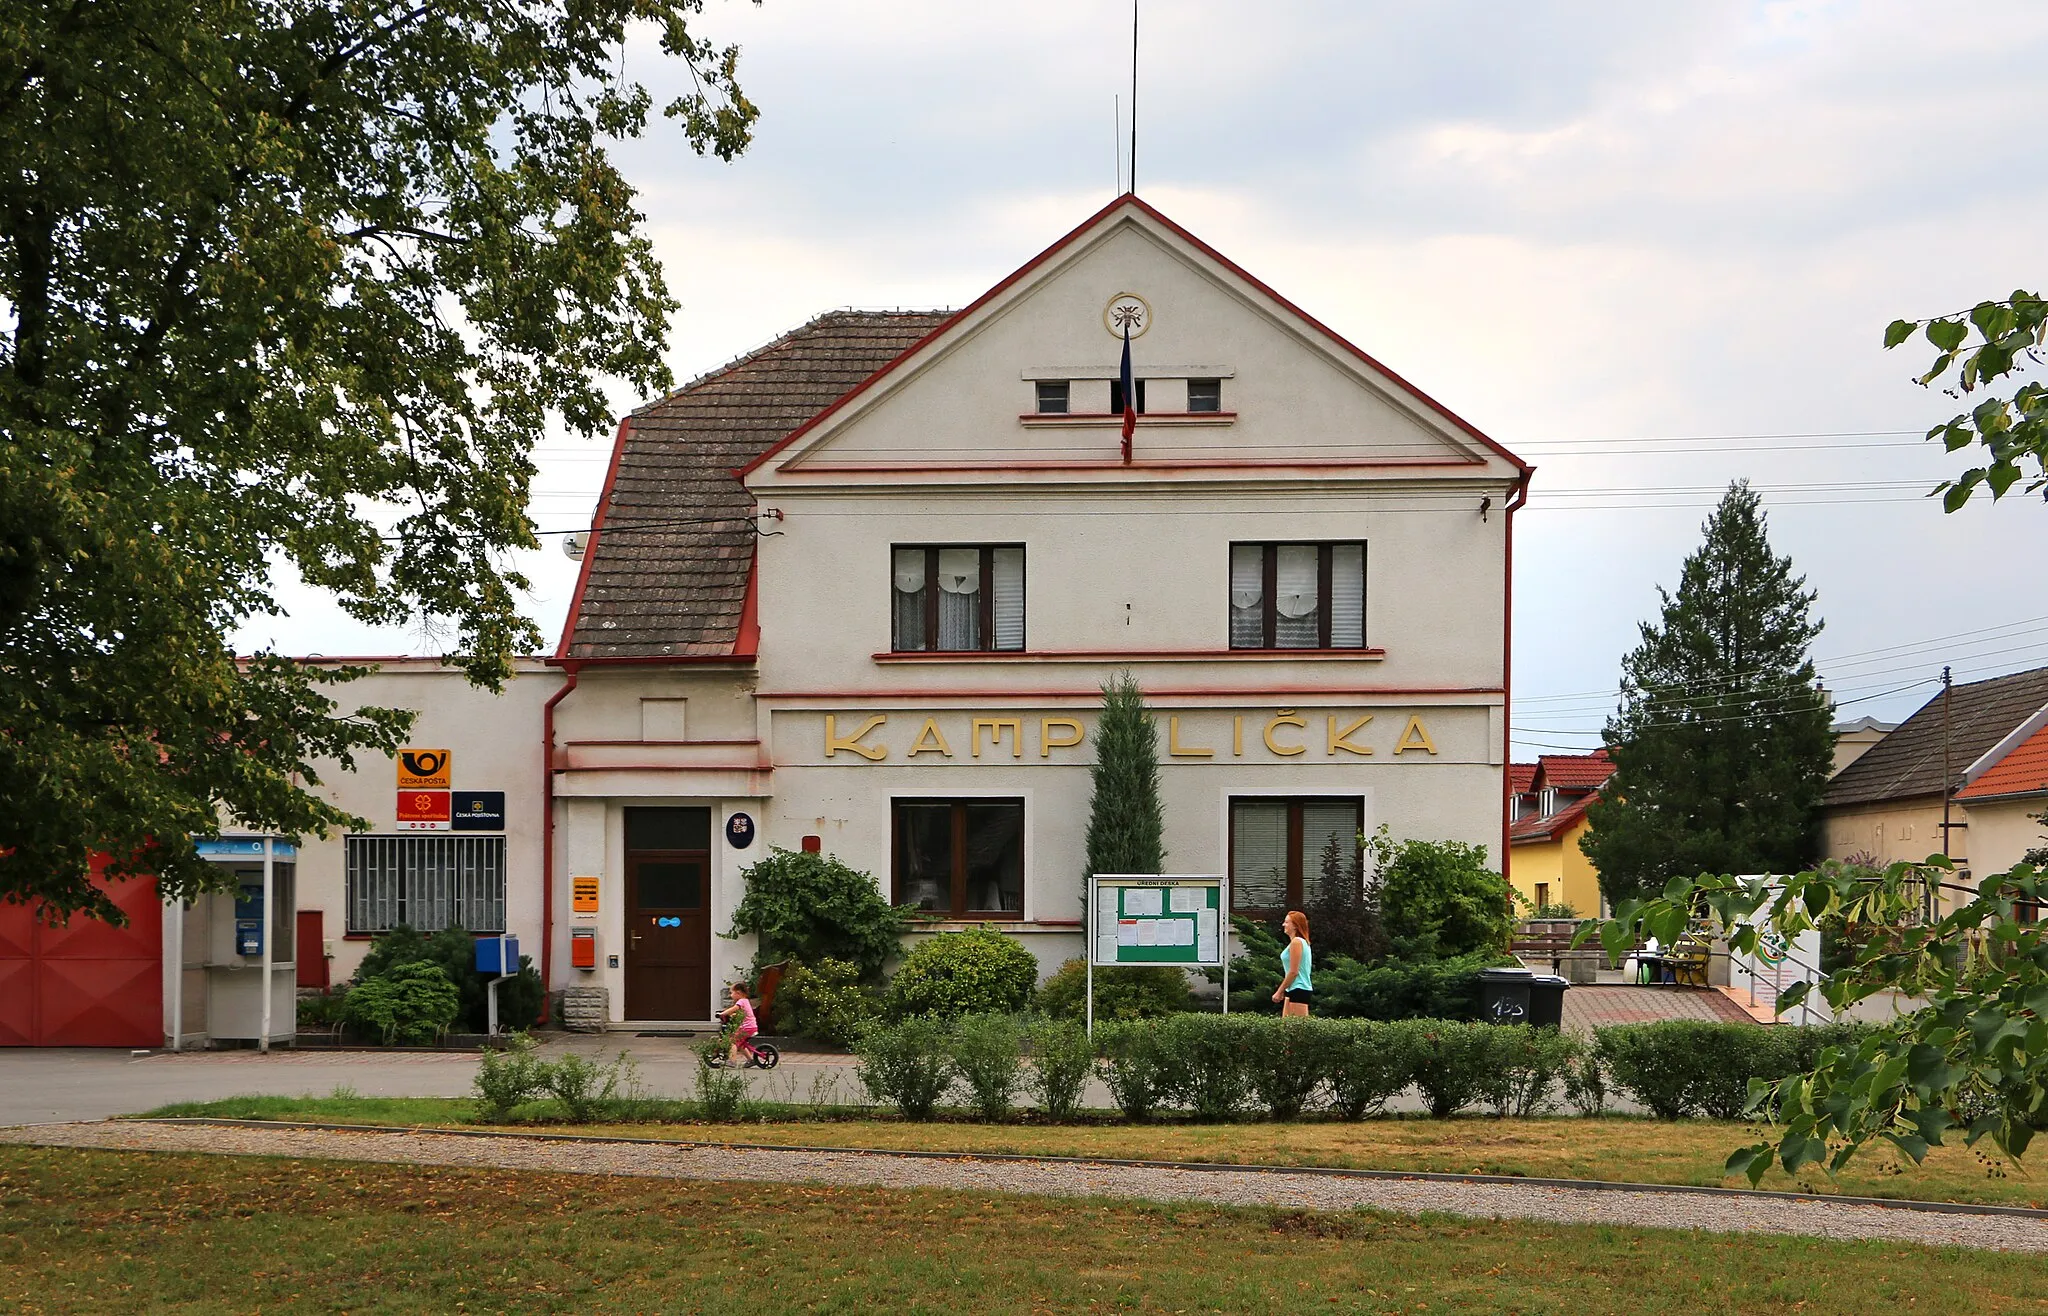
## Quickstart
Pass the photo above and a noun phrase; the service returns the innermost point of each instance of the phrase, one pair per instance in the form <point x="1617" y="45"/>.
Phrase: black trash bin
<point x="1546" y="1000"/>
<point x="1504" y="995"/>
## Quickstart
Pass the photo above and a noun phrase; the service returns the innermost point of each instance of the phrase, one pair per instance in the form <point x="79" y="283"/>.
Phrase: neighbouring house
<point x="1888" y="805"/>
<point x="1854" y="739"/>
<point x="1550" y="802"/>
<point x="2005" y="794"/>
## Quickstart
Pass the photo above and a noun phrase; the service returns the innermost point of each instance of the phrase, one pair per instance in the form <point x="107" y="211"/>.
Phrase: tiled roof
<point x="679" y="586"/>
<point x="1521" y="778"/>
<point x="1907" y="763"/>
<point x="1549" y="829"/>
<point x="2023" y="771"/>
<point x="1576" y="772"/>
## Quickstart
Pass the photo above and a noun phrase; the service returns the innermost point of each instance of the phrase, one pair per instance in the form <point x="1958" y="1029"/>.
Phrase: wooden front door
<point x="668" y="935"/>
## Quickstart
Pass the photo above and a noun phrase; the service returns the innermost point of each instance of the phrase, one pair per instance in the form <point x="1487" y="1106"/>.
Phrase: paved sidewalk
<point x="1598" y="1005"/>
<point x="1716" y="1213"/>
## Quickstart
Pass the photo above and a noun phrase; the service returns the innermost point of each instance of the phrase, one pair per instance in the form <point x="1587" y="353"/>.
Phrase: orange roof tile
<point x="1521" y="777"/>
<point x="1576" y="772"/>
<point x="2023" y="771"/>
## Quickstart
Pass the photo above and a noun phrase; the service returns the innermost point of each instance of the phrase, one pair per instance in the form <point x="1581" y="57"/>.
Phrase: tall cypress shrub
<point x="1723" y="743"/>
<point x="1126" y="821"/>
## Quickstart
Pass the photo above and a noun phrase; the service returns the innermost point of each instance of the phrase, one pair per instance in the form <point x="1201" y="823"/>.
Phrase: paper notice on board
<point x="1105" y="903"/>
<point x="1187" y="933"/>
<point x="1143" y="902"/>
<point x="1205" y="922"/>
<point x="1127" y="932"/>
<point x="1148" y="933"/>
<point x="1205" y="950"/>
<point x="1105" y="948"/>
<point x="1188" y="899"/>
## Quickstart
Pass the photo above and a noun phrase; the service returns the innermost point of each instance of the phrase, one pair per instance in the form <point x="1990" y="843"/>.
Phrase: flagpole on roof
<point x="1134" y="98"/>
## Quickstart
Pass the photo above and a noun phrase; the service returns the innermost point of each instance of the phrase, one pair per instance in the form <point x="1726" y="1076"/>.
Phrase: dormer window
<point x="1054" y="397"/>
<point x="1547" y="802"/>
<point x="1205" y="395"/>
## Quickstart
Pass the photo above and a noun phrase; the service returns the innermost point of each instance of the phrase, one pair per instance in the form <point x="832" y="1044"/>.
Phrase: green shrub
<point x="1456" y="1063"/>
<point x="326" y="1010"/>
<point x="979" y="971"/>
<point x="1585" y="1081"/>
<point x="508" y="1078"/>
<point x="588" y="1090"/>
<point x="410" y="1004"/>
<point x="519" y="997"/>
<point x="721" y="1092"/>
<point x="1287" y="1061"/>
<point x="1206" y="1058"/>
<point x="1371" y="1061"/>
<point x="811" y="908"/>
<point x="986" y="1052"/>
<point x="1438" y="898"/>
<point x="1533" y="1063"/>
<point x="1134" y="1066"/>
<point x="906" y="1064"/>
<point x="1355" y="989"/>
<point x="1690" y="1067"/>
<point x="826" y="1002"/>
<point x="1062" y="1061"/>
<point x="1124" y="991"/>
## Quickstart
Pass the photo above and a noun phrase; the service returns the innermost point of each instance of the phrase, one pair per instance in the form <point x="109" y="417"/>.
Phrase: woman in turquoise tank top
<point x="1296" y="982"/>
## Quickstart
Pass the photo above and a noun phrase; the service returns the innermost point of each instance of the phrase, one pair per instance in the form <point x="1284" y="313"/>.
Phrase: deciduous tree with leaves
<point x="289" y="285"/>
<point x="1722" y="744"/>
<point x="1976" y="350"/>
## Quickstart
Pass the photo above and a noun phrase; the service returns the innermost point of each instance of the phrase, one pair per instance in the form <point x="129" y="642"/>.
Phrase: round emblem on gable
<point x="1127" y="311"/>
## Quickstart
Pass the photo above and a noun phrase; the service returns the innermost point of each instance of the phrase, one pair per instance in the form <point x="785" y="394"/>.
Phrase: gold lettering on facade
<point x="995" y="727"/>
<point x="1285" y="718"/>
<point x="1414" y="736"/>
<point x="834" y="742"/>
<point x="1178" y="750"/>
<point x="1340" y="739"/>
<point x="1046" y="743"/>
<point x="1237" y="736"/>
<point x="930" y="740"/>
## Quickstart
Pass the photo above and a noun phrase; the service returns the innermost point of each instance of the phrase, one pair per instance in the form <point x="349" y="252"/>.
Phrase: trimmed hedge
<point x="1684" y="1067"/>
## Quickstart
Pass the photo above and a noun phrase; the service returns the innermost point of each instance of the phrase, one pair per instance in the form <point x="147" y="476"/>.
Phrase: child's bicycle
<point x="759" y="1054"/>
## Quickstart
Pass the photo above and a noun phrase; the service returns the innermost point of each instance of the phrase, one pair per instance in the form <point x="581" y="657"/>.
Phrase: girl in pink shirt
<point x="743" y="1008"/>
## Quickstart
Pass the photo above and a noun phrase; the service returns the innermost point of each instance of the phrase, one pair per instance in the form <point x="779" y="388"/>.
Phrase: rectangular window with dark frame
<point x="1053" y="397"/>
<point x="1297" y="596"/>
<point x="1280" y="847"/>
<point x="960" y="858"/>
<point x="427" y="883"/>
<point x="1116" y="397"/>
<point x="960" y="598"/>
<point x="1205" y="395"/>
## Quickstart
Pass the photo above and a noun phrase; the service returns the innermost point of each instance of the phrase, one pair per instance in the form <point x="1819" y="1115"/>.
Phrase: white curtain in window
<point x="908" y="614"/>
<point x="1296" y="598"/>
<point x="1247" y="593"/>
<point x="1008" y="604"/>
<point x="959" y="598"/>
<point x="1258" y="854"/>
<point x="1347" y="596"/>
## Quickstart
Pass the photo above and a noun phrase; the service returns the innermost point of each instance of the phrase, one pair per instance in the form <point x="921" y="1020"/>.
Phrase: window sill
<point x="950" y="924"/>
<point x="1102" y="420"/>
<point x="1130" y="655"/>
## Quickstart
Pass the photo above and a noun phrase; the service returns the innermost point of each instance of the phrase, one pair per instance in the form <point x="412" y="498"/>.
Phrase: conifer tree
<point x="1126" y="820"/>
<point x="1722" y="743"/>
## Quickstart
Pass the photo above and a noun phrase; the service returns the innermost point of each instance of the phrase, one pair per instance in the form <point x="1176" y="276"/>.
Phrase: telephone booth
<point x="237" y="970"/>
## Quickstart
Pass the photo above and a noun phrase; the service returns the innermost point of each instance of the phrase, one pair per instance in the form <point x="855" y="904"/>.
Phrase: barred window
<point x="426" y="882"/>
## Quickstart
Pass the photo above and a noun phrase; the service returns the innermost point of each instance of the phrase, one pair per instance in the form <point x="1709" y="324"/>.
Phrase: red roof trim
<point x="1131" y="200"/>
<point x="604" y="500"/>
<point x="1138" y="465"/>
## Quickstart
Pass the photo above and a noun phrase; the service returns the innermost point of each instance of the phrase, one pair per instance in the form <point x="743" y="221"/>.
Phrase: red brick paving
<point x="1597" y="1005"/>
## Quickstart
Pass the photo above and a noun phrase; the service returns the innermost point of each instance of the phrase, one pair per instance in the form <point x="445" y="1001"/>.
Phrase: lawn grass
<point x="91" y="1231"/>
<point x="1614" y="1148"/>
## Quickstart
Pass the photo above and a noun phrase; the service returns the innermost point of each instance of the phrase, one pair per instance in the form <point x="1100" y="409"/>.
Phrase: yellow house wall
<point x="2002" y="831"/>
<point x="1563" y="865"/>
<point x="1902" y="831"/>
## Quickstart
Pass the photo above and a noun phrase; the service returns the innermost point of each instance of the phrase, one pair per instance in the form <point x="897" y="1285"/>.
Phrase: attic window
<point x="1205" y="395"/>
<point x="1116" y="397"/>
<point x="1052" y="397"/>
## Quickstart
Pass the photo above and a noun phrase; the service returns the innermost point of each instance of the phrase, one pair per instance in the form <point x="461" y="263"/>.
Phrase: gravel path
<point x="1730" y="1214"/>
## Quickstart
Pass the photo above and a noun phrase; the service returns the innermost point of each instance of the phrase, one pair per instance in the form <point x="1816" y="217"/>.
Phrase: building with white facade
<point x="860" y="590"/>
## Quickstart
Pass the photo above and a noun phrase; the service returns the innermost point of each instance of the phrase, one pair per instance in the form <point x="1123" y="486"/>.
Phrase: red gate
<point x="87" y="983"/>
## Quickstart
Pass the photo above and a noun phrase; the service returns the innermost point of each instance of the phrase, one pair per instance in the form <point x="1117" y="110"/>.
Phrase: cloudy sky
<point x="1650" y="247"/>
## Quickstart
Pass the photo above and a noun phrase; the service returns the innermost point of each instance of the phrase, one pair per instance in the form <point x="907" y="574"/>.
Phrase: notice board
<point x="1157" y="919"/>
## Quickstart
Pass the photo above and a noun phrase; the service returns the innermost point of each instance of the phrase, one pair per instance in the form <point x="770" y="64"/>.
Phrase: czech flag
<point x="1130" y="397"/>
